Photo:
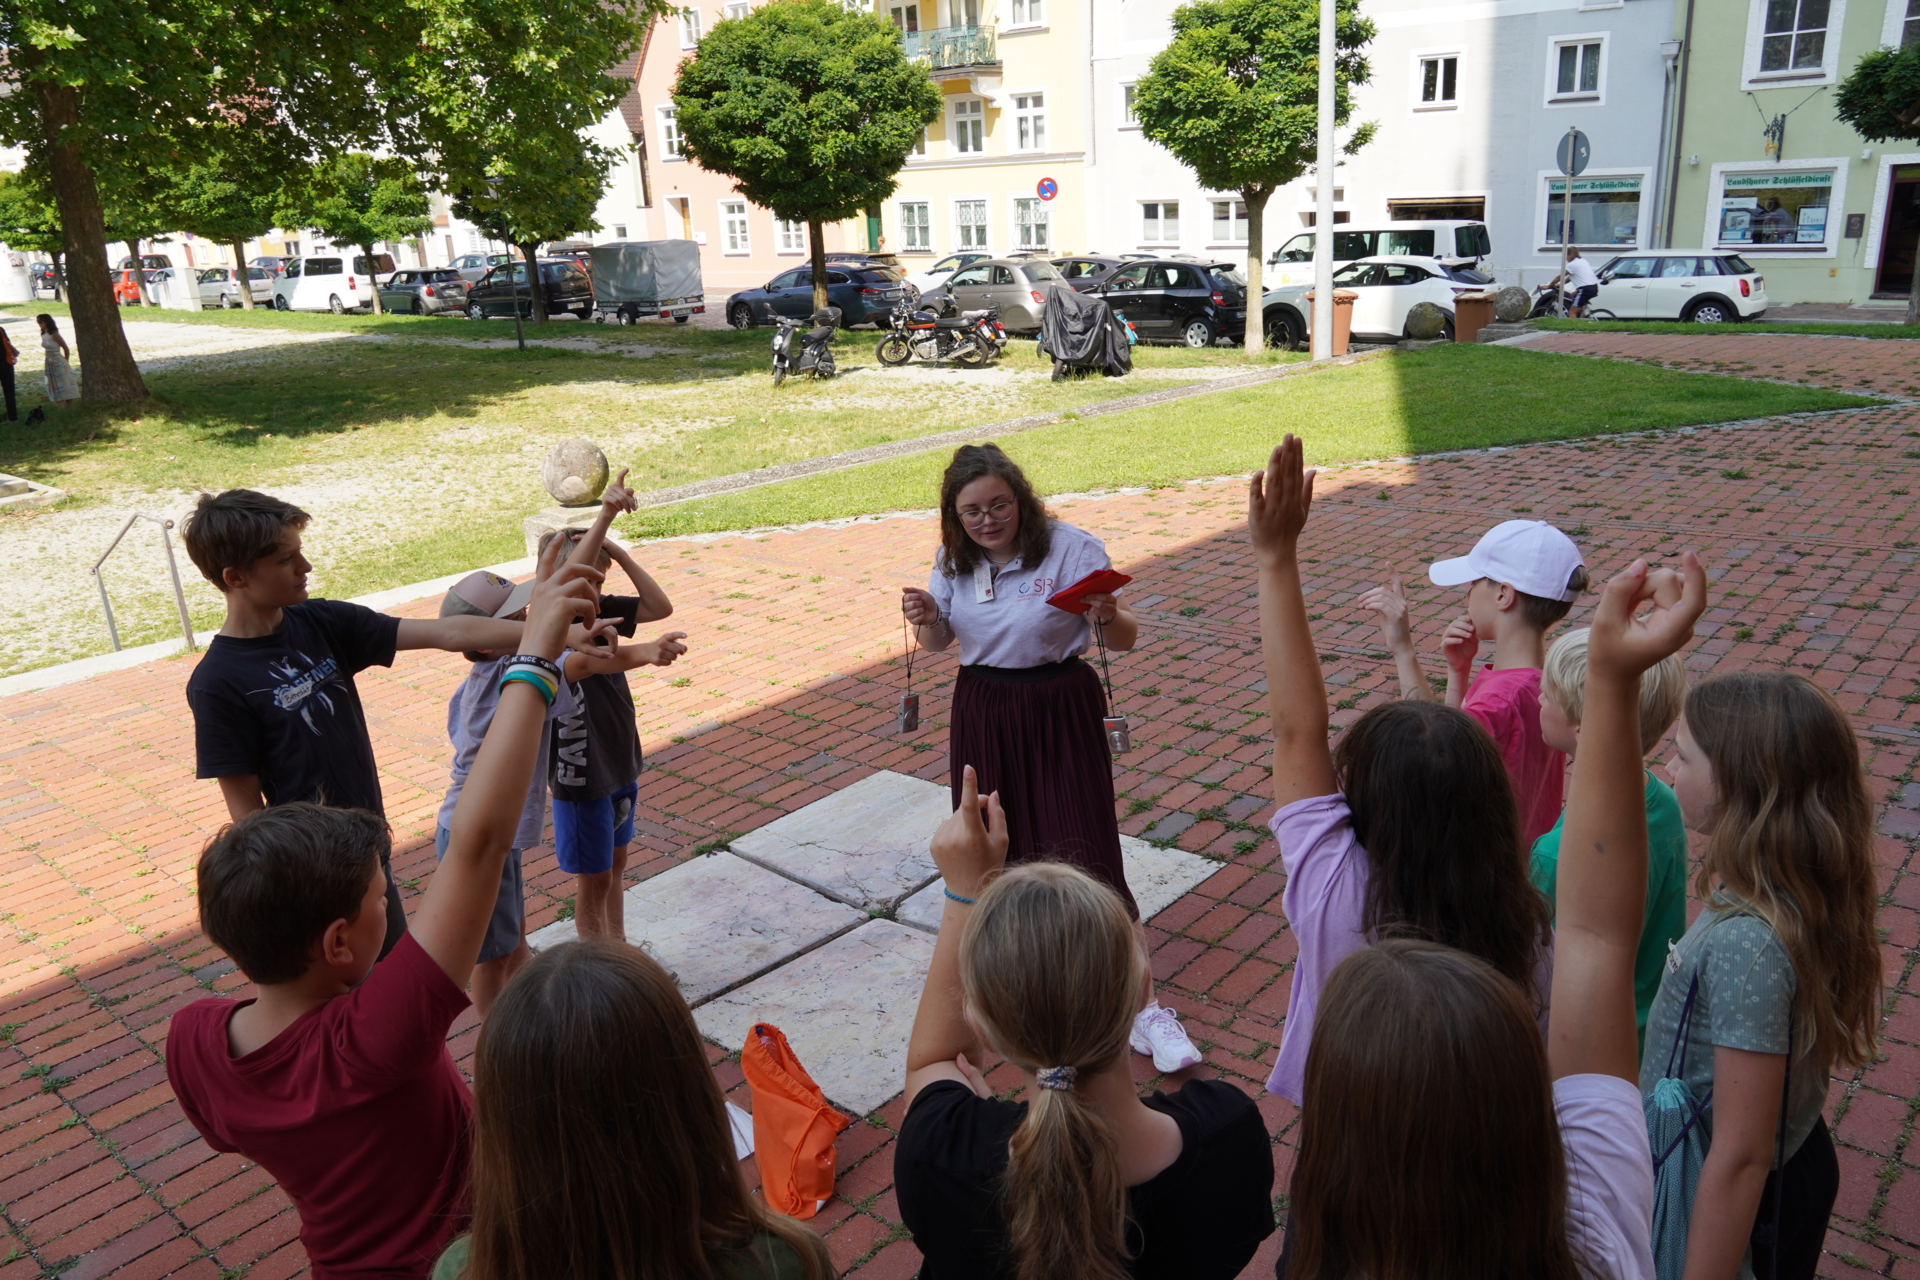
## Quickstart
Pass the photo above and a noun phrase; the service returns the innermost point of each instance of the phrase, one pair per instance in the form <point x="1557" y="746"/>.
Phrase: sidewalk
<point x="789" y="696"/>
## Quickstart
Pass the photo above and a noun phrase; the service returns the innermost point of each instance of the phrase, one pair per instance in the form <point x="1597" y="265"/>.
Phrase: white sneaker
<point x="1157" y="1032"/>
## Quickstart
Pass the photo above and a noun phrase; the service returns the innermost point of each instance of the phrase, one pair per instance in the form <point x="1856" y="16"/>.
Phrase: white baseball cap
<point x="1529" y="555"/>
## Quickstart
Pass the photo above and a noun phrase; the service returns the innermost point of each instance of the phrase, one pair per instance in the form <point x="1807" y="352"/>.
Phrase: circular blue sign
<point x="1047" y="189"/>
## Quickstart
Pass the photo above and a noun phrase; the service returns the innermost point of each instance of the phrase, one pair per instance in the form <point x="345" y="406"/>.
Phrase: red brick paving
<point x="789" y="695"/>
<point x="1887" y="366"/>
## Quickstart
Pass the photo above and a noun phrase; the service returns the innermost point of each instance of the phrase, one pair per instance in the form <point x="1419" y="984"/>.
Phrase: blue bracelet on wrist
<point x="956" y="897"/>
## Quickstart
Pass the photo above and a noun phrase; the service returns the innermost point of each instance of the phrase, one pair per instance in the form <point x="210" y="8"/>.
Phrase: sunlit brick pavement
<point x="789" y="694"/>
<point x="1888" y="366"/>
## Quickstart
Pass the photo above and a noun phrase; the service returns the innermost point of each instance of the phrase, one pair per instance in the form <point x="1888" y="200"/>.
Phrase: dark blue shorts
<point x="1583" y="295"/>
<point x="509" y="905"/>
<point x="586" y="832"/>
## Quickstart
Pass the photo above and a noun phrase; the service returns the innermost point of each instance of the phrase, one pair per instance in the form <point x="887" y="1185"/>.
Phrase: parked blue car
<point x="864" y="294"/>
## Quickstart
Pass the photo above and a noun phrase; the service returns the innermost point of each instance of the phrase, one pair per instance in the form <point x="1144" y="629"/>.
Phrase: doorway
<point x="1898" y="234"/>
<point x="680" y="217"/>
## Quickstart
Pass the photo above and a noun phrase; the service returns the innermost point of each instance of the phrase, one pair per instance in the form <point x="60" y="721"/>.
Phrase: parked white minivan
<point x="1455" y="243"/>
<point x="323" y="282"/>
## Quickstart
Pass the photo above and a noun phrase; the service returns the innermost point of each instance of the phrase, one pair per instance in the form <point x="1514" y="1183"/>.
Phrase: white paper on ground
<point x="742" y="1132"/>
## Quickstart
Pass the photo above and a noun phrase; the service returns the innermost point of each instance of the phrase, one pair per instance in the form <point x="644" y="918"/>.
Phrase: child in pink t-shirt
<point x="1521" y="578"/>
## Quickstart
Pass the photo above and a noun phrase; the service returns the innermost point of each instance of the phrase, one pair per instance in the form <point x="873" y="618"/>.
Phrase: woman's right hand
<point x="971" y="845"/>
<point x="919" y="606"/>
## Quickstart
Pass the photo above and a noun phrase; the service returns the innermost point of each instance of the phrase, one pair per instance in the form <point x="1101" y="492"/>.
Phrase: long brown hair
<point x="975" y="462"/>
<point x="1428" y="1142"/>
<point x="602" y="1148"/>
<point x="1053" y="976"/>
<point x="1793" y="844"/>
<point x="1433" y="808"/>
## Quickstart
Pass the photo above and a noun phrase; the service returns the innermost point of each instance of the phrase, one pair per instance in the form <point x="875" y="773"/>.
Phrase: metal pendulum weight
<point x="1119" y="741"/>
<point x="909" y="700"/>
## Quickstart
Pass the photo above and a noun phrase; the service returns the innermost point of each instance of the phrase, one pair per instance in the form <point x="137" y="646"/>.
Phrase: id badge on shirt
<point x="982" y="583"/>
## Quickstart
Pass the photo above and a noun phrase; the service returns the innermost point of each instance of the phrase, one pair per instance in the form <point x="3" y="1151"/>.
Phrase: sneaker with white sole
<point x="1157" y="1032"/>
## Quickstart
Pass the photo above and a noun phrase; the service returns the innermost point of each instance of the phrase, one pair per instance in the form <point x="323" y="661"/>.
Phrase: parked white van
<point x="1457" y="244"/>
<point x="322" y="283"/>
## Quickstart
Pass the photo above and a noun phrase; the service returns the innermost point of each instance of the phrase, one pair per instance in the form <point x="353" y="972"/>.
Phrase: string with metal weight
<point x="909" y="700"/>
<point x="1119" y="739"/>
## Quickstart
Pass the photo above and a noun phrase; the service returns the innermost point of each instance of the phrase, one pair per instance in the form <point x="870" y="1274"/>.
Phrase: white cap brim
<point x="1453" y="573"/>
<point x="517" y="601"/>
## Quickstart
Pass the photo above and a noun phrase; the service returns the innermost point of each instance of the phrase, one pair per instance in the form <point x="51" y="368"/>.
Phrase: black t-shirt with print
<point x="284" y="706"/>
<point x="1201" y="1218"/>
<point x="596" y="744"/>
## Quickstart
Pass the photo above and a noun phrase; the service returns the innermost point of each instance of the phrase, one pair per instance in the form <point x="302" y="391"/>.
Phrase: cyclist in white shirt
<point x="1584" y="280"/>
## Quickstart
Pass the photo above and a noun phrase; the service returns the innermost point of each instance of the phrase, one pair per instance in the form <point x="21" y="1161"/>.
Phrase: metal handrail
<point x="173" y="568"/>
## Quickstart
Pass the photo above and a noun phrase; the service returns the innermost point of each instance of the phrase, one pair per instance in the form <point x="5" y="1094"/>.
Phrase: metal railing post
<point x="173" y="570"/>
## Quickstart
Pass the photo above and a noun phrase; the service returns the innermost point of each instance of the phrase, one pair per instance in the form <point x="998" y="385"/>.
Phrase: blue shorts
<point x="586" y="832"/>
<point x="1583" y="295"/>
<point x="504" y="927"/>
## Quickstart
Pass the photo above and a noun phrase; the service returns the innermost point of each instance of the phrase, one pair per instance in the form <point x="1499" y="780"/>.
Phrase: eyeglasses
<point x="998" y="513"/>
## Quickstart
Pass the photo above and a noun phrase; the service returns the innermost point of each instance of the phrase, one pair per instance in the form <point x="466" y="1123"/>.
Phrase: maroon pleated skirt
<point x="1034" y="734"/>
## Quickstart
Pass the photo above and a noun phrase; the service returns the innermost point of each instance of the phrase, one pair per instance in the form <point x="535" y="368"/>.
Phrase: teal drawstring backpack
<point x="1679" y="1148"/>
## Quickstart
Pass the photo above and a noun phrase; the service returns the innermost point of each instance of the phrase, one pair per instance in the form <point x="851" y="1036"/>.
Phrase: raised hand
<point x="1644" y="615"/>
<point x="569" y="593"/>
<point x="1389" y="600"/>
<point x="1279" y="500"/>
<point x="972" y="843"/>
<point x="1461" y="644"/>
<point x="618" y="496"/>
<point x="921" y="608"/>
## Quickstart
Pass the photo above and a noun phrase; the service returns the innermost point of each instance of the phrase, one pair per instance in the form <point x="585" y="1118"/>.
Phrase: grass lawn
<point x="1426" y="401"/>
<point x="1840" y="329"/>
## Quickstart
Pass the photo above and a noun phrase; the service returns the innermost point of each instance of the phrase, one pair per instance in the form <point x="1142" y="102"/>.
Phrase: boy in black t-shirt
<point x="276" y="716"/>
<point x="596" y="744"/>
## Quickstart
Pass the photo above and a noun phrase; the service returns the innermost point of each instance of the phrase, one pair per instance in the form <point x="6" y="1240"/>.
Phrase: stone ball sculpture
<point x="1511" y="304"/>
<point x="575" y="472"/>
<point x="1425" y="321"/>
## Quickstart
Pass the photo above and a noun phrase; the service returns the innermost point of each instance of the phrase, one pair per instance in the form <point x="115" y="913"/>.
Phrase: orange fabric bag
<point x="793" y="1127"/>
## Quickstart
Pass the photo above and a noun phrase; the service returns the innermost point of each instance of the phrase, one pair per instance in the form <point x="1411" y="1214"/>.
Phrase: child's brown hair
<point x="603" y="561"/>
<point x="233" y="529"/>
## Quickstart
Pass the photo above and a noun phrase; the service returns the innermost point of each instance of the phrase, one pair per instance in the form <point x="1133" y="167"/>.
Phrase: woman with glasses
<point x="1027" y="712"/>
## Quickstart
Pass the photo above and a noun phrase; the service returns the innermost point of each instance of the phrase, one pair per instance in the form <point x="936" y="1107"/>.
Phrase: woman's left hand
<point x="971" y="845"/>
<point x="1102" y="607"/>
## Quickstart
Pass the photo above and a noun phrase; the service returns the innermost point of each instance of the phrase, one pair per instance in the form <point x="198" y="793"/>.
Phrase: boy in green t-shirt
<point x="1663" y="689"/>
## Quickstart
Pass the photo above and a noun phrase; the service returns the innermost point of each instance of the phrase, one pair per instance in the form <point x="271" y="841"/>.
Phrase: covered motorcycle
<point x="1080" y="331"/>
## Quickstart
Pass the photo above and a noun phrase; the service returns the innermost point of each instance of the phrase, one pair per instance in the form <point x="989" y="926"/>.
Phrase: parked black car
<point x="1186" y="302"/>
<point x="1083" y="271"/>
<point x="863" y="294"/>
<point x="505" y="288"/>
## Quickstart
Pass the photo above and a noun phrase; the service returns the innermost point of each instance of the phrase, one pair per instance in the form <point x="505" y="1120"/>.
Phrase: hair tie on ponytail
<point x="1056" y="1077"/>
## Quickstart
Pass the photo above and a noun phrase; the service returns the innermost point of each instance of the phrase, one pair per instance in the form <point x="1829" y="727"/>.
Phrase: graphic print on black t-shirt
<point x="284" y="707"/>
<point x="596" y="746"/>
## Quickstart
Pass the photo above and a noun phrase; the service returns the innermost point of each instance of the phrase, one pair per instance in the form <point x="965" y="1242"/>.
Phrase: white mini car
<point x="1388" y="287"/>
<point x="1705" y="287"/>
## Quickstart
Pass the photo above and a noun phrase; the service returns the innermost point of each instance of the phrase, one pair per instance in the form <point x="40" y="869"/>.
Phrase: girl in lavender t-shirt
<point x="1435" y="1124"/>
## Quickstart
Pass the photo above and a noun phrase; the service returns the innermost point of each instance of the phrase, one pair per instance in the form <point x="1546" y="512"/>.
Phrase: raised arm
<point x="453" y="913"/>
<point x="1389" y="600"/>
<point x="1603" y="845"/>
<point x="654" y="604"/>
<point x="1278" y="501"/>
<point x="614" y="500"/>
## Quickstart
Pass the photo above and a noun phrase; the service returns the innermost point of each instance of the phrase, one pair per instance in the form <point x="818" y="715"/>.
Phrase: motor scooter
<point x="815" y="353"/>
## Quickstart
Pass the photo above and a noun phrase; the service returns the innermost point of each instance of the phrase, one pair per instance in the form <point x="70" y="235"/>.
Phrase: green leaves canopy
<point x="1881" y="99"/>
<point x="359" y="199"/>
<point x="810" y="109"/>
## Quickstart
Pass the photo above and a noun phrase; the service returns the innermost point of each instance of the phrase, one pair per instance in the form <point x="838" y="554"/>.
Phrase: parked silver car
<point x="1018" y="286"/>
<point x="472" y="266"/>
<point x="220" y="287"/>
<point x="424" y="291"/>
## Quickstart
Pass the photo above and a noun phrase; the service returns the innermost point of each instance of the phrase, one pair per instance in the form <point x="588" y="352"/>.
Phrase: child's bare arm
<point x="654" y="605"/>
<point x="1389" y="600"/>
<point x="654" y="653"/>
<point x="1461" y="645"/>
<point x="1278" y="501"/>
<point x="616" y="499"/>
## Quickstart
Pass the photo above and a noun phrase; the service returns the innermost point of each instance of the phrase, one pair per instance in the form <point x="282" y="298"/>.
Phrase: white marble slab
<point x="846" y="1009"/>
<point x="865" y="844"/>
<point x="717" y="920"/>
<point x="1158" y="877"/>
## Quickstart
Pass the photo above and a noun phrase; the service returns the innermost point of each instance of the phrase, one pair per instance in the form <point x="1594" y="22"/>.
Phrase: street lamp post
<point x="1323" y="196"/>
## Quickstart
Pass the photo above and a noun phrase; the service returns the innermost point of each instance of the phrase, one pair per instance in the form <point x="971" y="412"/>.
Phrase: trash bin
<point x="1343" y="300"/>
<point x="1472" y="312"/>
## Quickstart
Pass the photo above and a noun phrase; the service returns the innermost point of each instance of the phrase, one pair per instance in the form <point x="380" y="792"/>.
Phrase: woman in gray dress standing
<point x="62" y="387"/>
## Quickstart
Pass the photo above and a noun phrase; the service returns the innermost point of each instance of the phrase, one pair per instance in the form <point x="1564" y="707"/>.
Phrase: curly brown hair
<point x="976" y="462"/>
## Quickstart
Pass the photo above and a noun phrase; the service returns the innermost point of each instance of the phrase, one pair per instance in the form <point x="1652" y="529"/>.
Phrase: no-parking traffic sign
<point x="1047" y="189"/>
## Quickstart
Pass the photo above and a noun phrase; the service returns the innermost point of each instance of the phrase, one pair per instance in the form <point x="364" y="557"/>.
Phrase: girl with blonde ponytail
<point x="1085" y="1180"/>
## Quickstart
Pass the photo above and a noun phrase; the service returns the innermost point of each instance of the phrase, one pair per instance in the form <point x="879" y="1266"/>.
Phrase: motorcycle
<point x="971" y="338"/>
<point x="815" y="355"/>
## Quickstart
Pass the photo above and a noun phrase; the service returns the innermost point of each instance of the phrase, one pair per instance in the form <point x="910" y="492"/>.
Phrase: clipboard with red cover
<point x="1073" y="599"/>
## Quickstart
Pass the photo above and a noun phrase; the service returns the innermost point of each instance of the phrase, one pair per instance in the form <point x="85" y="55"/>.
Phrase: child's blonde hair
<point x="1663" y="687"/>
<point x="602" y="561"/>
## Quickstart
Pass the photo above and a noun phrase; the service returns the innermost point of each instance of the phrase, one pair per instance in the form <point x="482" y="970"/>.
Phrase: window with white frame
<point x="1028" y="13"/>
<point x="619" y="231"/>
<point x="920" y="144"/>
<point x="689" y="28"/>
<point x="1605" y="210"/>
<point x="1794" y="37"/>
<point x="1160" y="221"/>
<point x="791" y="236"/>
<point x="1439" y="82"/>
<point x="1908" y="30"/>
<point x="970" y="224"/>
<point x="1030" y="122"/>
<point x="1770" y="208"/>
<point x="1576" y="69"/>
<point x="1030" y="224"/>
<point x="1229" y="221"/>
<point x="916" y="227"/>
<point x="1129" y="118"/>
<point x="967" y="133"/>
<point x="906" y="17"/>
<point x="670" y="134"/>
<point x="733" y="226"/>
<point x="736" y="9"/>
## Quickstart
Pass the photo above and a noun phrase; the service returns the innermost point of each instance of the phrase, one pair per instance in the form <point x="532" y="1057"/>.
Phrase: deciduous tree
<point x="1235" y="97"/>
<point x="812" y="110"/>
<point x="228" y="203"/>
<point x="360" y="200"/>
<point x="530" y="199"/>
<point x="1881" y="100"/>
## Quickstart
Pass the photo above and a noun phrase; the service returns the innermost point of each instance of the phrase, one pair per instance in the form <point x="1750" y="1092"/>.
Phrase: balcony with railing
<point x="942" y="48"/>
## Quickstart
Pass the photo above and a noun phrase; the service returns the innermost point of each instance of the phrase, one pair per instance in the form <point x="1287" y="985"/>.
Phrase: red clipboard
<point x="1073" y="599"/>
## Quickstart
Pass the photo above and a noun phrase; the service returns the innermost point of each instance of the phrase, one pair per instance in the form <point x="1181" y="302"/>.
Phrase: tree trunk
<point x="59" y="276"/>
<point x="536" y="291"/>
<point x="108" y="374"/>
<point x="140" y="274"/>
<point x="817" y="246"/>
<point x="373" y="277"/>
<point x="1255" y="340"/>
<point x="243" y="272"/>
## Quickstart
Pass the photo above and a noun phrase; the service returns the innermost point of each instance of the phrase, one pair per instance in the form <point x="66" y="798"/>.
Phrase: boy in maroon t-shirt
<point x="1521" y="578"/>
<point x="335" y="1077"/>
